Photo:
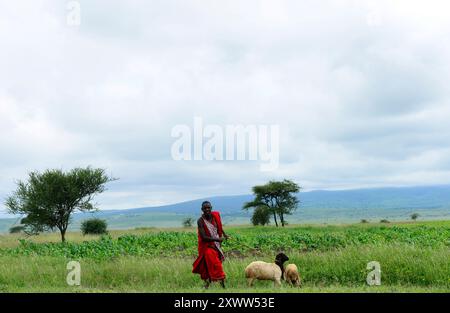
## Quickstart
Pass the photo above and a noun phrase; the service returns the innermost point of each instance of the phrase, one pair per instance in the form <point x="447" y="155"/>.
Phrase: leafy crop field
<point x="413" y="257"/>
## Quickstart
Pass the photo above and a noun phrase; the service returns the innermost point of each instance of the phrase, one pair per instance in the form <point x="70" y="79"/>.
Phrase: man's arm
<point x="201" y="231"/>
<point x="225" y="236"/>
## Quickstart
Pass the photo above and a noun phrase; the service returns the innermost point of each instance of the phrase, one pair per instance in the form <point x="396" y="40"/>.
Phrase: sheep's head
<point x="281" y="258"/>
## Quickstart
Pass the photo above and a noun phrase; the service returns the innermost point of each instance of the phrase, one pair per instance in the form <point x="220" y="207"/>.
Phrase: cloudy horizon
<point x="357" y="88"/>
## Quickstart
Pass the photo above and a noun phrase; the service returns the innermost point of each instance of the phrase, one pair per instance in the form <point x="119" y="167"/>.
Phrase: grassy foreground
<point x="414" y="257"/>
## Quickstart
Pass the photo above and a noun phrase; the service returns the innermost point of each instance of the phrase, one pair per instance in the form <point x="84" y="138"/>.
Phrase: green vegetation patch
<point x="403" y="268"/>
<point x="244" y="242"/>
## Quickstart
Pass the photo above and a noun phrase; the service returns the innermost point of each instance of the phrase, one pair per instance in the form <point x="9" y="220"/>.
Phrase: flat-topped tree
<point x="48" y="199"/>
<point x="278" y="197"/>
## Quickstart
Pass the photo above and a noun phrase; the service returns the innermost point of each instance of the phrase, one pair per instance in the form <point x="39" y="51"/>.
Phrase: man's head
<point x="206" y="207"/>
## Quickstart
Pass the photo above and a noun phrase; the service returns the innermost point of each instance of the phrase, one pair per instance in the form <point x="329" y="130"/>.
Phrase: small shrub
<point x="261" y="216"/>
<point x="384" y="221"/>
<point x="16" y="229"/>
<point x="94" y="226"/>
<point x="364" y="221"/>
<point x="414" y="216"/>
<point x="188" y="222"/>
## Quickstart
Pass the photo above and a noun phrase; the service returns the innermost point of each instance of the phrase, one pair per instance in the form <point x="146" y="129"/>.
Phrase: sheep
<point x="266" y="271"/>
<point x="291" y="275"/>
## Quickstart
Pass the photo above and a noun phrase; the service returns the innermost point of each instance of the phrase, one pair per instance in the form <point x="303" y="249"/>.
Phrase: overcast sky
<point x="359" y="90"/>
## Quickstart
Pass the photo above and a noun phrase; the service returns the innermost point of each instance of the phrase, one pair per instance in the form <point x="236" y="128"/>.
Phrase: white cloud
<point x="357" y="87"/>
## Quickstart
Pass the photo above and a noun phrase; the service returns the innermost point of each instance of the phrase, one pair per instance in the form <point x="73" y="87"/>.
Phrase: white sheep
<point x="291" y="275"/>
<point x="266" y="271"/>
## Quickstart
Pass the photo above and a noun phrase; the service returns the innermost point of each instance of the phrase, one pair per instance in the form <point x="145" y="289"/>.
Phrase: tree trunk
<point x="282" y="219"/>
<point x="63" y="235"/>
<point x="275" y="218"/>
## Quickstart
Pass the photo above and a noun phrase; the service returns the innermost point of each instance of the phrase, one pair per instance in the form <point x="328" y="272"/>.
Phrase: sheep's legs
<point x="250" y="281"/>
<point x="222" y="283"/>
<point x="277" y="282"/>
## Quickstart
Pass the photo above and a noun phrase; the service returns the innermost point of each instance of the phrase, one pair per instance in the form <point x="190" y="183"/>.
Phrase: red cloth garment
<point x="209" y="261"/>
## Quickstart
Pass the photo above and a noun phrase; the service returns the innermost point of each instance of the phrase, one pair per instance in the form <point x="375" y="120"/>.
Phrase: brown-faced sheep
<point x="291" y="275"/>
<point x="266" y="271"/>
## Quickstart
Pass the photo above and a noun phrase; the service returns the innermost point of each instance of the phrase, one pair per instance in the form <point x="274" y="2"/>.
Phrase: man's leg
<point x="214" y="265"/>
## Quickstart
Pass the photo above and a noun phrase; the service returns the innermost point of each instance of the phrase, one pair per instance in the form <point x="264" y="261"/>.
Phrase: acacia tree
<point x="48" y="199"/>
<point x="278" y="197"/>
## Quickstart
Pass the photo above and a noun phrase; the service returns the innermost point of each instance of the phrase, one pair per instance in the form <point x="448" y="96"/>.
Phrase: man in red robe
<point x="210" y="254"/>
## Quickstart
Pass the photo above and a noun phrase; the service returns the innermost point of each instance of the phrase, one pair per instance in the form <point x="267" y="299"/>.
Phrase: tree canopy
<point x="48" y="199"/>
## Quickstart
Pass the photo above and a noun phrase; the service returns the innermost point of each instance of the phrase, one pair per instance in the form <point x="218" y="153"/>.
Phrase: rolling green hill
<point x="346" y="206"/>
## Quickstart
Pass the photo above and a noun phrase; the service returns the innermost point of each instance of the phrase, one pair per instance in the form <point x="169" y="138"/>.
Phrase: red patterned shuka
<point x="210" y="255"/>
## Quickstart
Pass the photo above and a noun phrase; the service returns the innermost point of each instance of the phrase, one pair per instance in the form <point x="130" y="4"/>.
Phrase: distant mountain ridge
<point x="226" y="204"/>
<point x="320" y="206"/>
<point x="377" y="198"/>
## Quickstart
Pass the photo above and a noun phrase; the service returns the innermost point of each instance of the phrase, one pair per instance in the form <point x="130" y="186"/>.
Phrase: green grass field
<point x="414" y="257"/>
